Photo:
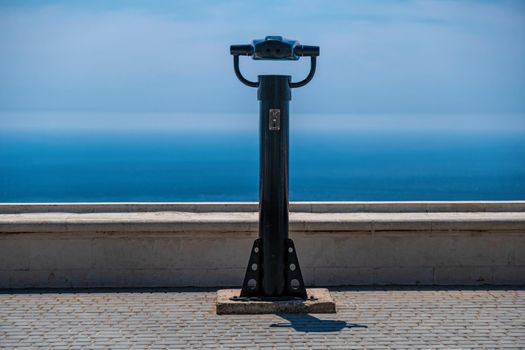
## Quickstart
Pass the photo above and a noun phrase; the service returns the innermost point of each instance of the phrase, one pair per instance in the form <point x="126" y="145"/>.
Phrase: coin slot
<point x="275" y="120"/>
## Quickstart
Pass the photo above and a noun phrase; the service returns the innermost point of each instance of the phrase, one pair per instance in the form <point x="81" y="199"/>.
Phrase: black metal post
<point x="273" y="269"/>
<point x="274" y="95"/>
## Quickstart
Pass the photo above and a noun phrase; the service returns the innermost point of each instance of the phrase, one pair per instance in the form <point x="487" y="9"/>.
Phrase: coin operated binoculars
<point x="273" y="268"/>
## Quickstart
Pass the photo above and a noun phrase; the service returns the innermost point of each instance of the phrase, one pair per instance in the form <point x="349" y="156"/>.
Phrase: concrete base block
<point x="319" y="302"/>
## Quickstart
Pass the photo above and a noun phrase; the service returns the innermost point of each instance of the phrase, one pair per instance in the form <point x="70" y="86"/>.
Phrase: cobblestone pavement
<point x="426" y="318"/>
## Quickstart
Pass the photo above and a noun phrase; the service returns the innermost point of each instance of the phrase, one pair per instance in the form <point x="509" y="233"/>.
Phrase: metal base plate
<point x="319" y="301"/>
<point x="294" y="283"/>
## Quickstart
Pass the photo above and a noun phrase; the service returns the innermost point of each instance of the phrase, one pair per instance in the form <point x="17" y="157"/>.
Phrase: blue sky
<point x="377" y="57"/>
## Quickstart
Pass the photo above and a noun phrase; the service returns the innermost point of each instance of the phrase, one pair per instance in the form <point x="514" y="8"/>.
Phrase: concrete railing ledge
<point x="208" y="244"/>
<point x="308" y="207"/>
<point x="242" y="217"/>
<point x="188" y="222"/>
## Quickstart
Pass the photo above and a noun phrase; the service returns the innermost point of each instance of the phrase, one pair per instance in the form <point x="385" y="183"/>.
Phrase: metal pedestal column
<point x="273" y="269"/>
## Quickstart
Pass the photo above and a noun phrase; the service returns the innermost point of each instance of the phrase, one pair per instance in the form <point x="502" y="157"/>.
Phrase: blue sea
<point x="348" y="163"/>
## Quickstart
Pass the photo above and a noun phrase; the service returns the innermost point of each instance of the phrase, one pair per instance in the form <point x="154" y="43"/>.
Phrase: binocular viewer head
<point x="275" y="48"/>
<point x="278" y="49"/>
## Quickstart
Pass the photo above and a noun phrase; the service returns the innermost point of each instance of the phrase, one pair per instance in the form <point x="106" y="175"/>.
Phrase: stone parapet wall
<point x="207" y="244"/>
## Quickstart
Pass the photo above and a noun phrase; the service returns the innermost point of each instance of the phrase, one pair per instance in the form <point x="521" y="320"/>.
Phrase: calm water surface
<point x="63" y="166"/>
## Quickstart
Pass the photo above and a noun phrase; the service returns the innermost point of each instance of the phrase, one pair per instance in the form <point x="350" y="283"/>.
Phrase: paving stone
<point x="373" y="318"/>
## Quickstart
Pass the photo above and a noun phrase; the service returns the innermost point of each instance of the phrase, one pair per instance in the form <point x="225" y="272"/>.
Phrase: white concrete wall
<point x="174" y="246"/>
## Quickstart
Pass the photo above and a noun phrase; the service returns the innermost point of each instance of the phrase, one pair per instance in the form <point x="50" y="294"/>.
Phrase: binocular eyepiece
<point x="275" y="48"/>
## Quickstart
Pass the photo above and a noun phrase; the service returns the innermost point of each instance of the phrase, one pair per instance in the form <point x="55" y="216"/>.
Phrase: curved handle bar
<point x="313" y="64"/>
<point x="239" y="74"/>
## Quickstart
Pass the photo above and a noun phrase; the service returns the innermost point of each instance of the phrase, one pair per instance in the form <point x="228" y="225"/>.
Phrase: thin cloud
<point x="376" y="57"/>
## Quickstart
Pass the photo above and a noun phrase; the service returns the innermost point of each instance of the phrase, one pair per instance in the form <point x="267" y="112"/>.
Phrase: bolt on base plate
<point x="319" y="301"/>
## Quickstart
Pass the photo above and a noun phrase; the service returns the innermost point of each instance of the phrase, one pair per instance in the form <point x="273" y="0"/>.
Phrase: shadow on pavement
<point x="308" y="323"/>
